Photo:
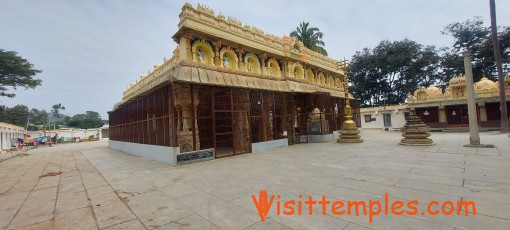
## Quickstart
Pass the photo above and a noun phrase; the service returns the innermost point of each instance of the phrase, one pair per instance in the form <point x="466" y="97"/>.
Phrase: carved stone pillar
<point x="267" y="117"/>
<point x="185" y="47"/>
<point x="185" y="112"/>
<point x="241" y="122"/>
<point x="185" y="52"/>
<point x="316" y="76"/>
<point x="240" y="53"/>
<point x="442" y="114"/>
<point x="284" y="65"/>
<point x="263" y="63"/>
<point x="217" y="60"/>
<point x="483" y="111"/>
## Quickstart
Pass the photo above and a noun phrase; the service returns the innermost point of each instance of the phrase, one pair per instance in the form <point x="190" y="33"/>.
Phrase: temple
<point x="449" y="109"/>
<point x="229" y="89"/>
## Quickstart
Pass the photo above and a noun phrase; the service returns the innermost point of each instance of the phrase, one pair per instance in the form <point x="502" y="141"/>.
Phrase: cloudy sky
<point x="89" y="51"/>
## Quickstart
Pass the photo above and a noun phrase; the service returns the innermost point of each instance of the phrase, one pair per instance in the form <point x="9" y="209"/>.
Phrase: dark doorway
<point x="457" y="115"/>
<point x="387" y="120"/>
<point x="231" y="126"/>
<point x="223" y="132"/>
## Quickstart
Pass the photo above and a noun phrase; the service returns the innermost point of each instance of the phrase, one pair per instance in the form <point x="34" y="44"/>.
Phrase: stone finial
<point x="458" y="80"/>
<point x="234" y="21"/>
<point x="204" y="9"/>
<point x="220" y="17"/>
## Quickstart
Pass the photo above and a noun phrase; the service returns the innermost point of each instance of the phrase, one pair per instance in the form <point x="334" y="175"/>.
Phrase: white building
<point x="69" y="133"/>
<point x="7" y="132"/>
<point x="393" y="117"/>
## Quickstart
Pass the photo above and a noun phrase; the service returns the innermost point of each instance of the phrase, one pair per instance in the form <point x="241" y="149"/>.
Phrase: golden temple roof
<point x="213" y="50"/>
<point x="456" y="90"/>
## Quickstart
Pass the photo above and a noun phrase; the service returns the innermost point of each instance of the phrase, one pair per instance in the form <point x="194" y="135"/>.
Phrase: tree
<point x="310" y="36"/>
<point x="16" y="72"/>
<point x="392" y="70"/>
<point x="16" y="115"/>
<point x="55" y="110"/>
<point x="88" y="120"/>
<point x="473" y="36"/>
<point x="38" y="117"/>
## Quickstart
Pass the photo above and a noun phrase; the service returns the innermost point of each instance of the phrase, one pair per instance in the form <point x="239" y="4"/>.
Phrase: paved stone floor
<point x="100" y="188"/>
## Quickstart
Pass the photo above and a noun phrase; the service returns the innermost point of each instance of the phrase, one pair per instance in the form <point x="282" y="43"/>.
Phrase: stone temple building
<point x="449" y="109"/>
<point x="229" y="89"/>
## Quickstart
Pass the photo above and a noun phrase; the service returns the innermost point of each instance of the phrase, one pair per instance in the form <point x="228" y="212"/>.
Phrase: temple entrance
<point x="230" y="110"/>
<point x="457" y="115"/>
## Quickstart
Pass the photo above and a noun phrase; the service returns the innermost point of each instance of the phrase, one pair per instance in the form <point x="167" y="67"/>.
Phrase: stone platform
<point x="100" y="188"/>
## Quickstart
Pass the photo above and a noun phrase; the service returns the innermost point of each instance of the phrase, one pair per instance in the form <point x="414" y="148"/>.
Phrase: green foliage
<point x="392" y="70"/>
<point x="16" y="72"/>
<point x="34" y="128"/>
<point x="397" y="68"/>
<point x="16" y="115"/>
<point x="88" y="120"/>
<point x="55" y="110"/>
<point x="473" y="36"/>
<point x="38" y="117"/>
<point x="310" y="36"/>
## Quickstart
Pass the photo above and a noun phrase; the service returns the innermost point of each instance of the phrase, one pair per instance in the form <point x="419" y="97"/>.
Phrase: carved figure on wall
<point x="249" y="66"/>
<point x="420" y="96"/>
<point x="226" y="61"/>
<point x="460" y="93"/>
<point x="200" y="55"/>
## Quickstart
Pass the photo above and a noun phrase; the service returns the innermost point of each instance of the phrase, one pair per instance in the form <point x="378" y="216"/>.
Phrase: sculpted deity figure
<point x="249" y="66"/>
<point x="200" y="55"/>
<point x="460" y="93"/>
<point x="270" y="70"/>
<point x="226" y="61"/>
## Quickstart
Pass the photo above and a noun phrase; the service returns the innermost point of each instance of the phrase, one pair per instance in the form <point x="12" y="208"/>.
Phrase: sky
<point x="90" y="51"/>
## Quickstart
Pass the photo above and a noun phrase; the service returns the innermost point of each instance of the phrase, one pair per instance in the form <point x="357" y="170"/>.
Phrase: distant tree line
<point x="42" y="120"/>
<point x="393" y="69"/>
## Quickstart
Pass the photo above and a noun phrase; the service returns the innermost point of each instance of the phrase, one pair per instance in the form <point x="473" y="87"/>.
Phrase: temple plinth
<point x="349" y="132"/>
<point x="415" y="131"/>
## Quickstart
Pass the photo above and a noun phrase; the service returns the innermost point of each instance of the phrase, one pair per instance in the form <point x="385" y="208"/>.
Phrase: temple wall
<point x="268" y="145"/>
<point x="157" y="153"/>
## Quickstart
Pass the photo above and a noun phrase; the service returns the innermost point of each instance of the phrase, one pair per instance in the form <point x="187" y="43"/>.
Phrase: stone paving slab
<point x="89" y="186"/>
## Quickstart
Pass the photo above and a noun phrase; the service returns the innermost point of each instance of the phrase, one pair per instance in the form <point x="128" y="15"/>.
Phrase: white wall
<point x="69" y="133"/>
<point x="157" y="153"/>
<point x="397" y="119"/>
<point x="7" y="132"/>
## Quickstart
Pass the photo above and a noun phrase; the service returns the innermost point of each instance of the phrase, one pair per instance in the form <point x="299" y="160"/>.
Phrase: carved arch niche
<point x="296" y="71"/>
<point x="273" y="69"/>
<point x="228" y="59"/>
<point x="421" y="94"/>
<point x="251" y="63"/>
<point x="338" y="82"/>
<point x="331" y="81"/>
<point x="202" y="52"/>
<point x="320" y="77"/>
<point x="310" y="77"/>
